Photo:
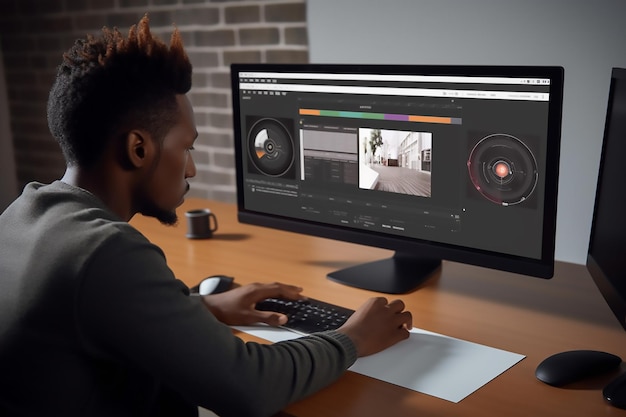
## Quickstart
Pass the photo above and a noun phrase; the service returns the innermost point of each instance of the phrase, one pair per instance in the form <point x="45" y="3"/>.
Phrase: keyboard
<point x="307" y="316"/>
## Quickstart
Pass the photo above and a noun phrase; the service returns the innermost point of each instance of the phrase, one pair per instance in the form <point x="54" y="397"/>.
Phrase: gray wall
<point x="587" y="38"/>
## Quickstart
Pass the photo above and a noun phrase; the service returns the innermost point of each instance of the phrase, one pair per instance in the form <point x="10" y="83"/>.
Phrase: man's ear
<point x="138" y="149"/>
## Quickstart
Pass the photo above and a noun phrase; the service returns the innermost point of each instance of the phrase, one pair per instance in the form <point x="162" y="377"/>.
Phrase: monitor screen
<point x="606" y="258"/>
<point x="433" y="162"/>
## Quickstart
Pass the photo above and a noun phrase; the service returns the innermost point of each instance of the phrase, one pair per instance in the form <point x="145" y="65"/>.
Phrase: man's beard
<point x="167" y="217"/>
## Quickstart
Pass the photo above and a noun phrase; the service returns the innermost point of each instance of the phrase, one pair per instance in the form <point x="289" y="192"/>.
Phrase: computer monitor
<point x="606" y="257"/>
<point x="432" y="162"/>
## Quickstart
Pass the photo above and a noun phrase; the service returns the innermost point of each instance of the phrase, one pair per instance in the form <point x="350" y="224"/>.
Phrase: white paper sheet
<point x="430" y="363"/>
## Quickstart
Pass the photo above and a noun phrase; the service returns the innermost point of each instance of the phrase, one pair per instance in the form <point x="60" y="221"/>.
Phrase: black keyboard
<point x="307" y="316"/>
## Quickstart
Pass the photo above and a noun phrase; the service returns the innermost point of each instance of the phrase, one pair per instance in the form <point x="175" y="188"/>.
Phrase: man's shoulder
<point x="52" y="236"/>
<point x="58" y="212"/>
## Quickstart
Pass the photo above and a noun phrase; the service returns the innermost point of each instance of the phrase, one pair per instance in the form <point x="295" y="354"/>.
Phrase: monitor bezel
<point x="541" y="268"/>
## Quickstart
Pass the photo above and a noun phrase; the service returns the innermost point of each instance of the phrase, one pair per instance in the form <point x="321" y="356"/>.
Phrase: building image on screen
<point x="395" y="161"/>
<point x="435" y="163"/>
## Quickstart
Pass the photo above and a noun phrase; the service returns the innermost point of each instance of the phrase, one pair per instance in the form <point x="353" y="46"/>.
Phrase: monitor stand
<point x="399" y="274"/>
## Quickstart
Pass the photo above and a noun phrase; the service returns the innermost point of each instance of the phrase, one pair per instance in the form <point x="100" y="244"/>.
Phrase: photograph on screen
<point x="395" y="161"/>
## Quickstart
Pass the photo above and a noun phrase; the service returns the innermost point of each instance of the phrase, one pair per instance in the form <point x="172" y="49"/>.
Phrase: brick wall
<point x="35" y="33"/>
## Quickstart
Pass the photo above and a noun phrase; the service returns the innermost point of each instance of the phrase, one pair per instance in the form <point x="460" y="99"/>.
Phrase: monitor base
<point x="399" y="274"/>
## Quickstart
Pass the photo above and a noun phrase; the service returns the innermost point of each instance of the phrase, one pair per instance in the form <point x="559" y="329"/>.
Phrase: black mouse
<point x="575" y="365"/>
<point x="615" y="392"/>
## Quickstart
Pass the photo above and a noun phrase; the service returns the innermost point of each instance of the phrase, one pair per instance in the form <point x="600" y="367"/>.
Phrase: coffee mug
<point x="201" y="223"/>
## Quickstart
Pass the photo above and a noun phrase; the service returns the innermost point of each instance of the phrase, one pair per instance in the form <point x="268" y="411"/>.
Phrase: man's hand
<point x="377" y="325"/>
<point x="236" y="307"/>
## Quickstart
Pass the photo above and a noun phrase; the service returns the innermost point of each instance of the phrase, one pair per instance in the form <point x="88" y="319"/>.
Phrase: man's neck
<point x="106" y="188"/>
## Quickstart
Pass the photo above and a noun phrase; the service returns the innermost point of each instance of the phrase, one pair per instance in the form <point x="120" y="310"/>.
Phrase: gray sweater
<point x="94" y="323"/>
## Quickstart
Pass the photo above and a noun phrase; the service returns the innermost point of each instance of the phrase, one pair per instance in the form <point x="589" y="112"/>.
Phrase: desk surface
<point x="526" y="315"/>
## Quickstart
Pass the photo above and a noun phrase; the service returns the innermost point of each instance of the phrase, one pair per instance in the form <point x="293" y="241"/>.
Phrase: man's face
<point x="166" y="187"/>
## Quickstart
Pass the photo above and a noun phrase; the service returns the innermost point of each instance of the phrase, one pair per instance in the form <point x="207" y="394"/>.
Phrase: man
<point x="92" y="321"/>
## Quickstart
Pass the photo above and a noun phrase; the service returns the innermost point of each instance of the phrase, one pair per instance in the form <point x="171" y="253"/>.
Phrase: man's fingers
<point x="277" y="290"/>
<point x="406" y="320"/>
<point x="271" y="318"/>
<point x="396" y="306"/>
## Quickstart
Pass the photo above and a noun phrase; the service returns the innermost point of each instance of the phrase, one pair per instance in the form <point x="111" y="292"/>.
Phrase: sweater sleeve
<point x="131" y="310"/>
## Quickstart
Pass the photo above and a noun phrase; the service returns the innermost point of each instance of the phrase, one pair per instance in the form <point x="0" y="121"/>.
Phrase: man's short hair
<point x="111" y="84"/>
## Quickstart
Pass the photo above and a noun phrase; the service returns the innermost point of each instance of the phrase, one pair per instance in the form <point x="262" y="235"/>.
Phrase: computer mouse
<point x="575" y="365"/>
<point x="615" y="392"/>
<point x="215" y="284"/>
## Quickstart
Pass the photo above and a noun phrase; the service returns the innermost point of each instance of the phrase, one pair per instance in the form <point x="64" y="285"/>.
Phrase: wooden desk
<point x="531" y="316"/>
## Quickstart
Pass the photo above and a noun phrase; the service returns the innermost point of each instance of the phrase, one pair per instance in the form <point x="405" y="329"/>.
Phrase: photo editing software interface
<point x="457" y="160"/>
